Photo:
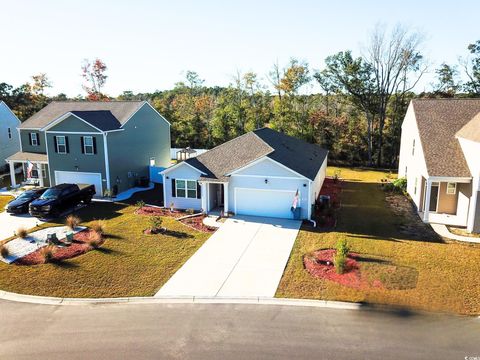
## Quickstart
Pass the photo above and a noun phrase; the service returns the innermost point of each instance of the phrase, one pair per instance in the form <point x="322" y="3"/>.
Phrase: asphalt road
<point x="193" y="331"/>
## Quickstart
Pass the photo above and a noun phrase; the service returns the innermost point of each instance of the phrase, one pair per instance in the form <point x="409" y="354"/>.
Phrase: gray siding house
<point x="9" y="141"/>
<point x="108" y="144"/>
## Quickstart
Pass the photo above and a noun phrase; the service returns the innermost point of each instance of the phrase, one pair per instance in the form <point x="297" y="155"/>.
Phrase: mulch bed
<point x="197" y="223"/>
<point x="327" y="218"/>
<point x="320" y="265"/>
<point x="79" y="247"/>
<point x="156" y="211"/>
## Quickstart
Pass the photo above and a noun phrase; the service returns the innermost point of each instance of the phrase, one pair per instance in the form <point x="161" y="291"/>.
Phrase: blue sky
<point x="148" y="45"/>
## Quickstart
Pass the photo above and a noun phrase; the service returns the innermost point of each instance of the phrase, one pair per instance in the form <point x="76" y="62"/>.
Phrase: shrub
<point x="401" y="184"/>
<point x="190" y="211"/>
<point x="140" y="204"/>
<point x="94" y="239"/>
<point x="98" y="226"/>
<point x="156" y="222"/>
<point x="336" y="176"/>
<point x="48" y="252"/>
<point x="340" y="259"/>
<point x="72" y="222"/>
<point x="22" y="233"/>
<point x="4" y="251"/>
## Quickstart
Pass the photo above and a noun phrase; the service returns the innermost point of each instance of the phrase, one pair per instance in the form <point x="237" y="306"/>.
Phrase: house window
<point x="413" y="147"/>
<point x="415" y="189"/>
<point x="34" y="139"/>
<point x="451" y="188"/>
<point x="186" y="188"/>
<point x="61" y="145"/>
<point x="152" y="161"/>
<point x="88" y="147"/>
<point x="9" y="133"/>
<point x="406" y="168"/>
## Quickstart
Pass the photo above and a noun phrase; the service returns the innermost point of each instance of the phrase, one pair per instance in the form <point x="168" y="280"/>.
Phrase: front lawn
<point x="128" y="264"/>
<point x="4" y="200"/>
<point x="430" y="274"/>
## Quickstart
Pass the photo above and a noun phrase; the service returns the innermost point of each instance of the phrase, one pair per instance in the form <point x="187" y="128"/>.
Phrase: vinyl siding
<point x="145" y="135"/>
<point x="73" y="124"/>
<point x="25" y="139"/>
<point x="8" y="146"/>
<point x="183" y="172"/>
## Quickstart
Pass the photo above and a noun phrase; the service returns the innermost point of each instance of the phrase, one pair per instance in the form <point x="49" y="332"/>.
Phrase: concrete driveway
<point x="10" y="223"/>
<point x="246" y="257"/>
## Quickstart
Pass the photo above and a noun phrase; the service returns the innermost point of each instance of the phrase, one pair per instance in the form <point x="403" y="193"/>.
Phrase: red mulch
<point x="79" y="247"/>
<point x="155" y="211"/>
<point x="319" y="268"/>
<point x="333" y="189"/>
<point x="197" y="223"/>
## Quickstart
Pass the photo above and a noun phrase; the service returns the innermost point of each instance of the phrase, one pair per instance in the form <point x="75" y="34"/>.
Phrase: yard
<point x="3" y="201"/>
<point x="128" y="264"/>
<point x="436" y="276"/>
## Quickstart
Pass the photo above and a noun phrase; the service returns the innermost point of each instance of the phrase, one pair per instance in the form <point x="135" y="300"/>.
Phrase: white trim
<point x="48" y="161"/>
<point x="186" y="189"/>
<point x="454" y="188"/>
<point x="20" y="139"/>
<point x="465" y="180"/>
<point x="310" y="203"/>
<point x="269" y="177"/>
<point x="165" y="205"/>
<point x="178" y="165"/>
<point x="107" y="164"/>
<point x="269" y="190"/>
<point x="85" y="146"/>
<point x="63" y="117"/>
<point x="31" y="138"/>
<point x="141" y="106"/>
<point x="265" y="157"/>
<point x="64" y="144"/>
<point x="99" y="191"/>
<point x="73" y="132"/>
<point x="30" y="129"/>
<point x="225" y="199"/>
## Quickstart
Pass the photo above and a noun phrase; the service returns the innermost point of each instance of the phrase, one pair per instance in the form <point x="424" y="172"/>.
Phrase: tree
<point x="397" y="67"/>
<point x="95" y="79"/>
<point x="471" y="66"/>
<point x="447" y="84"/>
<point x="40" y="83"/>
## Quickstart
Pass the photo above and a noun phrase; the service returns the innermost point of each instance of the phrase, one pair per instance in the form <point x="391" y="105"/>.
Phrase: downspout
<point x="310" y="204"/>
<point x="107" y="164"/>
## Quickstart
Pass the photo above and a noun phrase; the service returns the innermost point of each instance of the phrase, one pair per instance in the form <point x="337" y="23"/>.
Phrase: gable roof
<point x="471" y="130"/>
<point x="438" y="122"/>
<point x="121" y="110"/>
<point x="101" y="119"/>
<point x="299" y="156"/>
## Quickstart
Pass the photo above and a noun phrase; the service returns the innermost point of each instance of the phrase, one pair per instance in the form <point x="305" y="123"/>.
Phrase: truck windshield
<point x="50" y="194"/>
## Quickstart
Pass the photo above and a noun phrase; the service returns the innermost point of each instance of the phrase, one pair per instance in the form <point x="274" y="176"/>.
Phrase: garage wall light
<point x="266" y="181"/>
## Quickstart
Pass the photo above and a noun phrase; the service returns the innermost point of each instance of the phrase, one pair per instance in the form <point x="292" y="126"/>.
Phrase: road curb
<point x="45" y="300"/>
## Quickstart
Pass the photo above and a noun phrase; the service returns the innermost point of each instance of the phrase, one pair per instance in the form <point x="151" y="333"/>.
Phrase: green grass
<point x="4" y="201"/>
<point x="128" y="264"/>
<point x="431" y="274"/>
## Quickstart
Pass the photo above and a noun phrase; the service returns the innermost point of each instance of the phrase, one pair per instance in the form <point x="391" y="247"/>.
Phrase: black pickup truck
<point x="60" y="198"/>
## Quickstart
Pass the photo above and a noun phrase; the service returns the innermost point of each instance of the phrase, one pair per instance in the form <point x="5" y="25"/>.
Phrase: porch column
<point x="12" y="173"/>
<point x="426" y="203"/>
<point x="225" y="198"/>
<point x="203" y="195"/>
<point x="40" y="174"/>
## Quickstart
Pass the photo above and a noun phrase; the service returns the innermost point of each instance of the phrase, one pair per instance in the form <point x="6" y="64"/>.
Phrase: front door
<point x="434" y="197"/>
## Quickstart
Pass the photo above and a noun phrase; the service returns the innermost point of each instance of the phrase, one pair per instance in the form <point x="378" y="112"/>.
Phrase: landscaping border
<point x="43" y="300"/>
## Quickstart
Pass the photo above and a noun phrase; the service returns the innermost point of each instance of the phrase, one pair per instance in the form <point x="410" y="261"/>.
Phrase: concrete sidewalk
<point x="245" y="257"/>
<point x="443" y="231"/>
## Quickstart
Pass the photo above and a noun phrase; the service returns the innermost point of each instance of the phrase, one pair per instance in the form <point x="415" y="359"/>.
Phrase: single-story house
<point x="440" y="158"/>
<point x="260" y="173"/>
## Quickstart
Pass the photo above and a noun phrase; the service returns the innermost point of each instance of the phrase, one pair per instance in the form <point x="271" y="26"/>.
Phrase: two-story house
<point x="108" y="144"/>
<point x="9" y="141"/>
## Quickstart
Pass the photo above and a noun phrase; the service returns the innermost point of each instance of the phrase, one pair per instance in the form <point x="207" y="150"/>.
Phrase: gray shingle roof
<point x="101" y="119"/>
<point x="122" y="110"/>
<point x="298" y="155"/>
<point x="438" y="121"/>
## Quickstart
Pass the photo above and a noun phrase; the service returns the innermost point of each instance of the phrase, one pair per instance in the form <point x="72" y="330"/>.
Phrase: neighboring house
<point x="259" y="173"/>
<point x="440" y="157"/>
<point x="108" y="144"/>
<point x="9" y="141"/>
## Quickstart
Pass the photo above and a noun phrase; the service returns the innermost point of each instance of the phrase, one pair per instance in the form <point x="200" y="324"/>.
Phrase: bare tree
<point x="397" y="66"/>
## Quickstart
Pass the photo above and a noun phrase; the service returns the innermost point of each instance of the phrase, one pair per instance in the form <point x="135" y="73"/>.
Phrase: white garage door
<point x="73" y="177"/>
<point x="270" y="203"/>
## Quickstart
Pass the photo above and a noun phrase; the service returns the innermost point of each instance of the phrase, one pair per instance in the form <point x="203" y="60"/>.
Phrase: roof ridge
<point x="235" y="138"/>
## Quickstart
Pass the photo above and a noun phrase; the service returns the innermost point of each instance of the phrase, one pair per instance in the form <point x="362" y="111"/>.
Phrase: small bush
<point x="342" y="247"/>
<point x="156" y="222"/>
<point x="72" y="222"/>
<point x="190" y="211"/>
<point x="22" y="233"/>
<point x="98" y="226"/>
<point x="4" y="251"/>
<point x="340" y="261"/>
<point x="48" y="252"/>
<point x="398" y="186"/>
<point x="336" y="175"/>
<point x="94" y="239"/>
<point x="140" y="204"/>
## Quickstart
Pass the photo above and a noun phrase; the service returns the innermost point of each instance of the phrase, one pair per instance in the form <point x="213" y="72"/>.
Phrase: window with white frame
<point x="34" y="139"/>
<point x="152" y="161"/>
<point x="186" y="188"/>
<point x="451" y="188"/>
<point x="9" y="130"/>
<point x="88" y="147"/>
<point x="61" y="145"/>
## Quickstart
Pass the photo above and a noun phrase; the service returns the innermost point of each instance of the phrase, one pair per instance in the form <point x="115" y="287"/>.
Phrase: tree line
<point x="357" y="115"/>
